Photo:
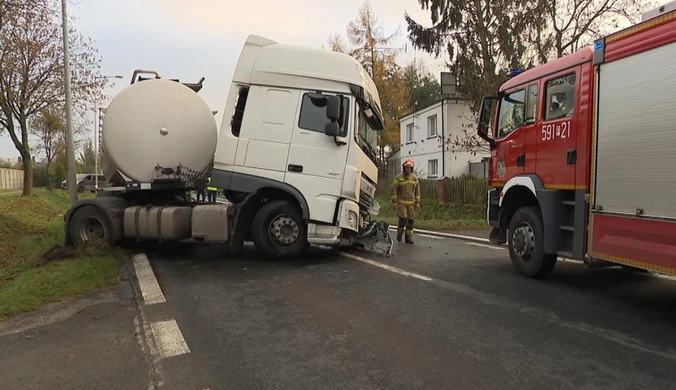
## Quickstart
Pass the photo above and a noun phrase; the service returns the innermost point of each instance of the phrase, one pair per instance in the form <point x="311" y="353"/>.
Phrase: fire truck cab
<point x="578" y="128"/>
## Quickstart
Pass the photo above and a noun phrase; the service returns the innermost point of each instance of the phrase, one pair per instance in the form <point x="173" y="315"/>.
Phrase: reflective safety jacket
<point x="209" y="187"/>
<point x="406" y="189"/>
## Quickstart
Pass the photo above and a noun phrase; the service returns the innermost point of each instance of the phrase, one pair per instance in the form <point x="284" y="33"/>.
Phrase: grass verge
<point x="29" y="227"/>
<point x="434" y="216"/>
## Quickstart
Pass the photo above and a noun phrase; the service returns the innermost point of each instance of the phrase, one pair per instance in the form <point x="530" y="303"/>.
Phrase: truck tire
<point x="526" y="245"/>
<point x="278" y="230"/>
<point x="88" y="222"/>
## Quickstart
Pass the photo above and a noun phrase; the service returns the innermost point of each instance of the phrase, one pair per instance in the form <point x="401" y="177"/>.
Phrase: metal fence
<point x="11" y="179"/>
<point x="465" y="189"/>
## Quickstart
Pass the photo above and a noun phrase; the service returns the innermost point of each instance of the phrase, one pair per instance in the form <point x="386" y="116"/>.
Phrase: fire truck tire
<point x="526" y="245"/>
<point x="278" y="230"/>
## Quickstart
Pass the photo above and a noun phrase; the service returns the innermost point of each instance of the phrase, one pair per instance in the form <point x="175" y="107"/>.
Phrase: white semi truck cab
<point x="295" y="157"/>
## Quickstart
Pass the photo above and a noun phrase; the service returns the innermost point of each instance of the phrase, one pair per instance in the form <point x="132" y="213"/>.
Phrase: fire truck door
<point x="510" y="136"/>
<point x="556" y="141"/>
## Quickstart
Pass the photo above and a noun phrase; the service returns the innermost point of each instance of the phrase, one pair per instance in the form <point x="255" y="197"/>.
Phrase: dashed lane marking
<point x="150" y="289"/>
<point x="387" y="267"/>
<point x="170" y="341"/>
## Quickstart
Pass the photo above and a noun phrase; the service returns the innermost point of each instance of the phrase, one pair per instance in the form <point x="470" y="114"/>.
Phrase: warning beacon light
<point x="514" y="72"/>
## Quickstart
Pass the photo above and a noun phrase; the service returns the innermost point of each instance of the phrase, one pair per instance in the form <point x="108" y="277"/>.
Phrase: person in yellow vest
<point x="211" y="192"/>
<point x="406" y="199"/>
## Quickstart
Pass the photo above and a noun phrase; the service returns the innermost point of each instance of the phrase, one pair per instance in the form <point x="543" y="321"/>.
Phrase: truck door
<point x="556" y="144"/>
<point x="316" y="161"/>
<point x="510" y="136"/>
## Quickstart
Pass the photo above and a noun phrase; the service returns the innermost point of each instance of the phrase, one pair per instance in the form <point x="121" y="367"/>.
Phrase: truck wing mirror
<point x="485" y="116"/>
<point x="333" y="108"/>
<point x="332" y="129"/>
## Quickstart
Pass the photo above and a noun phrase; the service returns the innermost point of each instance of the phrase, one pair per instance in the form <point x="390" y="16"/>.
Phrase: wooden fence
<point x="11" y="179"/>
<point x="465" y="189"/>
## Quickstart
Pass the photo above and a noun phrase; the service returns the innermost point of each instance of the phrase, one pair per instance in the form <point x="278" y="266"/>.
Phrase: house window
<point x="431" y="126"/>
<point x="432" y="168"/>
<point x="409" y="132"/>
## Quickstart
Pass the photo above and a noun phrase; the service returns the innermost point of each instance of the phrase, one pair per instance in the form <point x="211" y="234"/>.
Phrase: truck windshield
<point x="366" y="136"/>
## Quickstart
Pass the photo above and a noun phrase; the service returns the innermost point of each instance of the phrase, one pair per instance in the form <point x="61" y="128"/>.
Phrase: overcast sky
<point x="190" y="39"/>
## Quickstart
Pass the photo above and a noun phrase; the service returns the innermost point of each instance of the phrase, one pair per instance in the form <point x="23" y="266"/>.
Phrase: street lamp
<point x="70" y="145"/>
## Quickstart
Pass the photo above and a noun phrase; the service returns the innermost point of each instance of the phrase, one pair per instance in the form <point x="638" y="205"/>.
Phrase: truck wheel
<point x="80" y="189"/>
<point x="278" y="230"/>
<point x="526" y="245"/>
<point x="88" y="222"/>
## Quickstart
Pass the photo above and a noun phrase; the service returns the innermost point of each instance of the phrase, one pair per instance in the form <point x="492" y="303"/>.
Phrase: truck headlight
<point x="352" y="219"/>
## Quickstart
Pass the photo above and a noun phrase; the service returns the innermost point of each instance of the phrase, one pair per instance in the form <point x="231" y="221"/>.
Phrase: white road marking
<point x="447" y="235"/>
<point x="150" y="289"/>
<point x="504" y="248"/>
<point x="387" y="267"/>
<point x="170" y="341"/>
<point x="430" y="236"/>
<point x="486" y="246"/>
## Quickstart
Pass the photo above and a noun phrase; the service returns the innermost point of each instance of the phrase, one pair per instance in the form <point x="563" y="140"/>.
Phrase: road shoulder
<point x="82" y="343"/>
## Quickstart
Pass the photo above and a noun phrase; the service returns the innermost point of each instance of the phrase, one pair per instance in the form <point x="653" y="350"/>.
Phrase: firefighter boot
<point x="409" y="232"/>
<point x="400" y="228"/>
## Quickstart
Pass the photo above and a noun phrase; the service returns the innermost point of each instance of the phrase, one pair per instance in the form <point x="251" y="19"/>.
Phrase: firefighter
<point x="211" y="192"/>
<point x="406" y="199"/>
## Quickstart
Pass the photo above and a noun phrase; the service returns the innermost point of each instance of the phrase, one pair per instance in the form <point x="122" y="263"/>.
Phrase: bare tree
<point x="50" y="130"/>
<point x="31" y="71"/>
<point x="572" y="24"/>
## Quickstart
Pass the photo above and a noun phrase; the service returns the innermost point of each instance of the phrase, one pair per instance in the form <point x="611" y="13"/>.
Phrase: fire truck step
<point x="564" y="254"/>
<point x="569" y="202"/>
<point x="567" y="228"/>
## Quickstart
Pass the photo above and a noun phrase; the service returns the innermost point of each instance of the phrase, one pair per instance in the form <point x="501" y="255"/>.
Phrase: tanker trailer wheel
<point x="88" y="222"/>
<point x="526" y="245"/>
<point x="278" y="230"/>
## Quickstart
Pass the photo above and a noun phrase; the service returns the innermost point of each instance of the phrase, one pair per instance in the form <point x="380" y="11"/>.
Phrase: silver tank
<point x="157" y="122"/>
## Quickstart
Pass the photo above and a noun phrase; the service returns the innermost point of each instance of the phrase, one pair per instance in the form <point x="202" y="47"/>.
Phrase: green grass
<point x="29" y="226"/>
<point x="434" y="216"/>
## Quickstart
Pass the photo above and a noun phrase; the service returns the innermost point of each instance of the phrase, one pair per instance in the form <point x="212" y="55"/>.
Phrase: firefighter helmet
<point x="407" y="163"/>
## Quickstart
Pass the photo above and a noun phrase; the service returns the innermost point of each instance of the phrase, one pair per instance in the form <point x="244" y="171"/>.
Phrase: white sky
<point x="190" y="39"/>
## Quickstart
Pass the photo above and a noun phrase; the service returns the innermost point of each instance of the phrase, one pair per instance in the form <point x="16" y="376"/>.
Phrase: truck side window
<point x="313" y="116"/>
<point x="560" y="95"/>
<point x="531" y="103"/>
<point x="511" y="114"/>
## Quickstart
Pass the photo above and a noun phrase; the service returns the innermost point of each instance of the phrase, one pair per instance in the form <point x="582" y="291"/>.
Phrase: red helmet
<point x="408" y="163"/>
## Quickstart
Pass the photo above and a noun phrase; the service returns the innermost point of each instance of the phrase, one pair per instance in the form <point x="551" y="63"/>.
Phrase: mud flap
<point x="375" y="237"/>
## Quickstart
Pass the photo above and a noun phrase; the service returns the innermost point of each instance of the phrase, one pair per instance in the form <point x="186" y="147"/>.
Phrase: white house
<point x="425" y="135"/>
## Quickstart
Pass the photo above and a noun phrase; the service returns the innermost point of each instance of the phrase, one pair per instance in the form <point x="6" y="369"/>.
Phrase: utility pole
<point x="70" y="144"/>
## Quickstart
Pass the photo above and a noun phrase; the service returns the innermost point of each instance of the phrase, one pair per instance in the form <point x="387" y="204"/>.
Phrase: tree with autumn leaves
<point x="31" y="74"/>
<point x="368" y="43"/>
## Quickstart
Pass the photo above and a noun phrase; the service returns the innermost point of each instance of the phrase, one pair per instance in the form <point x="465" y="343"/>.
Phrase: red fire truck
<point x="582" y="152"/>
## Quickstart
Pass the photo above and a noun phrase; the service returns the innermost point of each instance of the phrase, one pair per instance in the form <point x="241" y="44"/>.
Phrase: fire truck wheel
<point x="278" y="230"/>
<point x="526" y="246"/>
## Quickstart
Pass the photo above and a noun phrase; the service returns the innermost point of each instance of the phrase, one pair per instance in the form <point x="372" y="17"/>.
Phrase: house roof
<point x="430" y="105"/>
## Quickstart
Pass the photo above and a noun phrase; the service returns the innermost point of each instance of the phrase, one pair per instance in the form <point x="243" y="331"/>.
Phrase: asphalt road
<point x="442" y="314"/>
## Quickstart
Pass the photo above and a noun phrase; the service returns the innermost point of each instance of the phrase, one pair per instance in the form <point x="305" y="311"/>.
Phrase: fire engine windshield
<point x="511" y="112"/>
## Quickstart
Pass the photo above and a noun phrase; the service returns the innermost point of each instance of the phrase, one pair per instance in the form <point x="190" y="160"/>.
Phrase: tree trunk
<point x="27" y="174"/>
<point x="48" y="175"/>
